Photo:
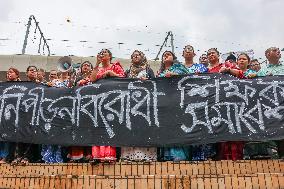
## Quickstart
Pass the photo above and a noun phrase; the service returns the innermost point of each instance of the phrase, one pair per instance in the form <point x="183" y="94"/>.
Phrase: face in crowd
<point x="213" y="55"/>
<point x="273" y="54"/>
<point x="53" y="75"/>
<point x="243" y="61"/>
<point x="86" y="67"/>
<point x="12" y="74"/>
<point x="203" y="59"/>
<point x="31" y="73"/>
<point x="231" y="59"/>
<point x="255" y="65"/>
<point x="105" y="56"/>
<point x="188" y="52"/>
<point x="168" y="58"/>
<point x="40" y="74"/>
<point x="136" y="57"/>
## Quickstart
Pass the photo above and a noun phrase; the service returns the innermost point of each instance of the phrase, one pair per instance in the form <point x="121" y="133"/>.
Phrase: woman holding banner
<point x="7" y="149"/>
<point x="171" y="67"/>
<point x="55" y="153"/>
<point x="235" y="149"/>
<point x="106" y="70"/>
<point x="82" y="153"/>
<point x="194" y="68"/>
<point x="140" y="69"/>
<point x="241" y="71"/>
<point x="23" y="153"/>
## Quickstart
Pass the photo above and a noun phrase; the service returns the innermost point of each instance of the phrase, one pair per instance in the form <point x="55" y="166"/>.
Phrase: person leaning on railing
<point x="7" y="149"/>
<point x="82" y="153"/>
<point x="139" y="68"/>
<point x="193" y="68"/>
<point x="171" y="67"/>
<point x="104" y="68"/>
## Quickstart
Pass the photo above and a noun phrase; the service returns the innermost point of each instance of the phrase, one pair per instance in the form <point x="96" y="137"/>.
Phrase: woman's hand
<point x="143" y="78"/>
<point x="252" y="75"/>
<point x="170" y="74"/>
<point x="109" y="73"/>
<point x="82" y="82"/>
<point x="224" y="70"/>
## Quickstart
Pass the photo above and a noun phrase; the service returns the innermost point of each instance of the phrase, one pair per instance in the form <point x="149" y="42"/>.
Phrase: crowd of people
<point x="241" y="66"/>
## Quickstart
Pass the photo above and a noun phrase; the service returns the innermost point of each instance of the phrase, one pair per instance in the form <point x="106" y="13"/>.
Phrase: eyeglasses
<point x="32" y="70"/>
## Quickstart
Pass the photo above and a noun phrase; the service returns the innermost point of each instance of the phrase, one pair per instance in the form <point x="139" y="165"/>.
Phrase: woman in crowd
<point x="85" y="73"/>
<point x="13" y="75"/>
<point x="203" y="60"/>
<point x="255" y="66"/>
<point x="197" y="152"/>
<point x="7" y="149"/>
<point x="56" y="153"/>
<point x="24" y="152"/>
<point x="171" y="67"/>
<point x="194" y="68"/>
<point x="31" y="73"/>
<point x="242" y="70"/>
<point x="82" y="153"/>
<point x="234" y="149"/>
<point x="107" y="69"/>
<point x="139" y="68"/>
<point x="252" y="150"/>
<point x="215" y="65"/>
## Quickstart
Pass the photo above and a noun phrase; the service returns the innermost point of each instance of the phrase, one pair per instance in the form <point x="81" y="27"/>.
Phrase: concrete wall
<point x="21" y="62"/>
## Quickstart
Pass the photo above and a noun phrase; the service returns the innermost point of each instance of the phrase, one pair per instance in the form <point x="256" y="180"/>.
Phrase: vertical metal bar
<point x="27" y="35"/>
<point x="172" y="42"/>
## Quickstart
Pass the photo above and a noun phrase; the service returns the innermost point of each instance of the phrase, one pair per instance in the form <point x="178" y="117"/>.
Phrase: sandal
<point x="2" y="161"/>
<point x="94" y="162"/>
<point x="24" y="161"/>
<point x="73" y="161"/>
<point x="16" y="161"/>
<point x="88" y="158"/>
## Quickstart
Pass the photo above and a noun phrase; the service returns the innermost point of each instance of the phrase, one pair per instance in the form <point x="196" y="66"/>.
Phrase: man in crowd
<point x="274" y="66"/>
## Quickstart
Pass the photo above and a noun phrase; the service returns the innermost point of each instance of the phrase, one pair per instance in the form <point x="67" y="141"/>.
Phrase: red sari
<point x="79" y="152"/>
<point x="229" y="150"/>
<point x="217" y="68"/>
<point x="107" y="153"/>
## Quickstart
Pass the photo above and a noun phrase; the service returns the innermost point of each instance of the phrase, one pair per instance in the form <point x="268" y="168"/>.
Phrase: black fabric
<point x="182" y="110"/>
<point x="150" y="73"/>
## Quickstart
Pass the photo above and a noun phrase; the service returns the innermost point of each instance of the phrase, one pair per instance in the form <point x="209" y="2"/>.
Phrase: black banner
<point x="126" y="112"/>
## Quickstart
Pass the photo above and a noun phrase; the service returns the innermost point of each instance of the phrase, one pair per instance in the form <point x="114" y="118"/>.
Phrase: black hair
<point x="231" y="57"/>
<point x="214" y="49"/>
<point x="162" y="67"/>
<point x="245" y="55"/>
<point x="186" y="47"/>
<point x="88" y="62"/>
<point x="110" y="54"/>
<point x="31" y="67"/>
